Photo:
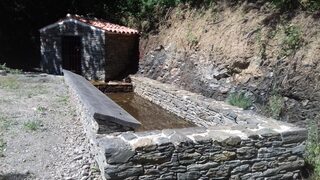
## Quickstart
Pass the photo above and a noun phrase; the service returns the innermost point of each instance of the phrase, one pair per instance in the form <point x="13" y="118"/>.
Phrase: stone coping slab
<point x="198" y="135"/>
<point x="102" y="107"/>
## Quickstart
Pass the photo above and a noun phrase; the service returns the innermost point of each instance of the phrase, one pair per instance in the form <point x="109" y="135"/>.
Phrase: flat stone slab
<point x="101" y="106"/>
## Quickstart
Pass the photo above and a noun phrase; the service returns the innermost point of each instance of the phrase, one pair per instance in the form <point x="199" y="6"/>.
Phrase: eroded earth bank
<point x="250" y="47"/>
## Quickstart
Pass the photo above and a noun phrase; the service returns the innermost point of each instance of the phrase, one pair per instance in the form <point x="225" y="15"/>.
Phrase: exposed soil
<point x="244" y="47"/>
<point x="40" y="135"/>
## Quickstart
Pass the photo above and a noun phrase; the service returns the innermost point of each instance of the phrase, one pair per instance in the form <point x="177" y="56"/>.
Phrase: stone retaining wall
<point x="196" y="108"/>
<point x="200" y="153"/>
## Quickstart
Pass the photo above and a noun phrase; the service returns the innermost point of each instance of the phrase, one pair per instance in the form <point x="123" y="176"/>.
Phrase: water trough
<point x="228" y="143"/>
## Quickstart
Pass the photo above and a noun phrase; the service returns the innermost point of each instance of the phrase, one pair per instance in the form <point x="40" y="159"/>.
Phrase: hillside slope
<point x="272" y="57"/>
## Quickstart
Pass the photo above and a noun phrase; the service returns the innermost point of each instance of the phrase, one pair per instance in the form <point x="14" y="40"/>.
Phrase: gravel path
<point x="40" y="134"/>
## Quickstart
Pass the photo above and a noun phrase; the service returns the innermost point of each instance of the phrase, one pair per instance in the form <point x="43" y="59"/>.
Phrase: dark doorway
<point x="71" y="53"/>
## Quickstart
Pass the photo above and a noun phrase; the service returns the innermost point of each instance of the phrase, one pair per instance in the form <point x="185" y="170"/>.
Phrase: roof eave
<point x="69" y="19"/>
<point x="127" y="34"/>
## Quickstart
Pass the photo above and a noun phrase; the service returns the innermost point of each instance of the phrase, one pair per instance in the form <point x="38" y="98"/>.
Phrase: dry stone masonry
<point x="232" y="144"/>
<point x="205" y="153"/>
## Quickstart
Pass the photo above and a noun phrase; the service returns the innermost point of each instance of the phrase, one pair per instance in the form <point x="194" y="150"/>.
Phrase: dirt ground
<point x="40" y="134"/>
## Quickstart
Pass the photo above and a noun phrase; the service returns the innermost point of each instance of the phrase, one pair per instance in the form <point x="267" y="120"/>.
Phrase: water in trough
<point x="152" y="116"/>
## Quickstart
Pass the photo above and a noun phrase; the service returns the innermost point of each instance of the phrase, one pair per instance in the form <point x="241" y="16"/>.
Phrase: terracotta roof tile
<point x="102" y="24"/>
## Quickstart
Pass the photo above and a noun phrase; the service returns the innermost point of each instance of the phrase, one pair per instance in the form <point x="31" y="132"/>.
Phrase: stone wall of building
<point x="93" y="48"/>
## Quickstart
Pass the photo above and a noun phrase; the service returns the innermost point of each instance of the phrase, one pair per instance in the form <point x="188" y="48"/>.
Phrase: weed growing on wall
<point x="239" y="100"/>
<point x="313" y="147"/>
<point x="275" y="106"/>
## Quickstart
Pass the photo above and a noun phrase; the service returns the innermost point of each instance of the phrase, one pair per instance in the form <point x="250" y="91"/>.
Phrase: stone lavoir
<point x="91" y="47"/>
<point x="228" y="144"/>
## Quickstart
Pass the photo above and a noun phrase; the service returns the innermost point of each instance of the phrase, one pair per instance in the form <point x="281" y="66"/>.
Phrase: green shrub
<point x="139" y="13"/>
<point x="239" y="100"/>
<point x="10" y="70"/>
<point x="313" y="148"/>
<point x="311" y="5"/>
<point x="275" y="106"/>
<point x="285" y="5"/>
<point x="291" y="42"/>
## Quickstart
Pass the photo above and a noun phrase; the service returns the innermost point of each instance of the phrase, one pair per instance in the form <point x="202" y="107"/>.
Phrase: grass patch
<point x="3" y="146"/>
<point x="32" y="125"/>
<point x="275" y="106"/>
<point x="4" y="123"/>
<point x="41" y="109"/>
<point x="36" y="90"/>
<point x="9" y="83"/>
<point x="40" y="89"/>
<point x="192" y="39"/>
<point x="239" y="100"/>
<point x="63" y="99"/>
<point x="313" y="148"/>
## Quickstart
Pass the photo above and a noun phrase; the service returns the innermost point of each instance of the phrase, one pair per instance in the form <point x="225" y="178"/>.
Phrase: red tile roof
<point x="102" y="24"/>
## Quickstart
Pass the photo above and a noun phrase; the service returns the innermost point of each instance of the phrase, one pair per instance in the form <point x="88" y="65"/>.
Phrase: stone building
<point x="93" y="48"/>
